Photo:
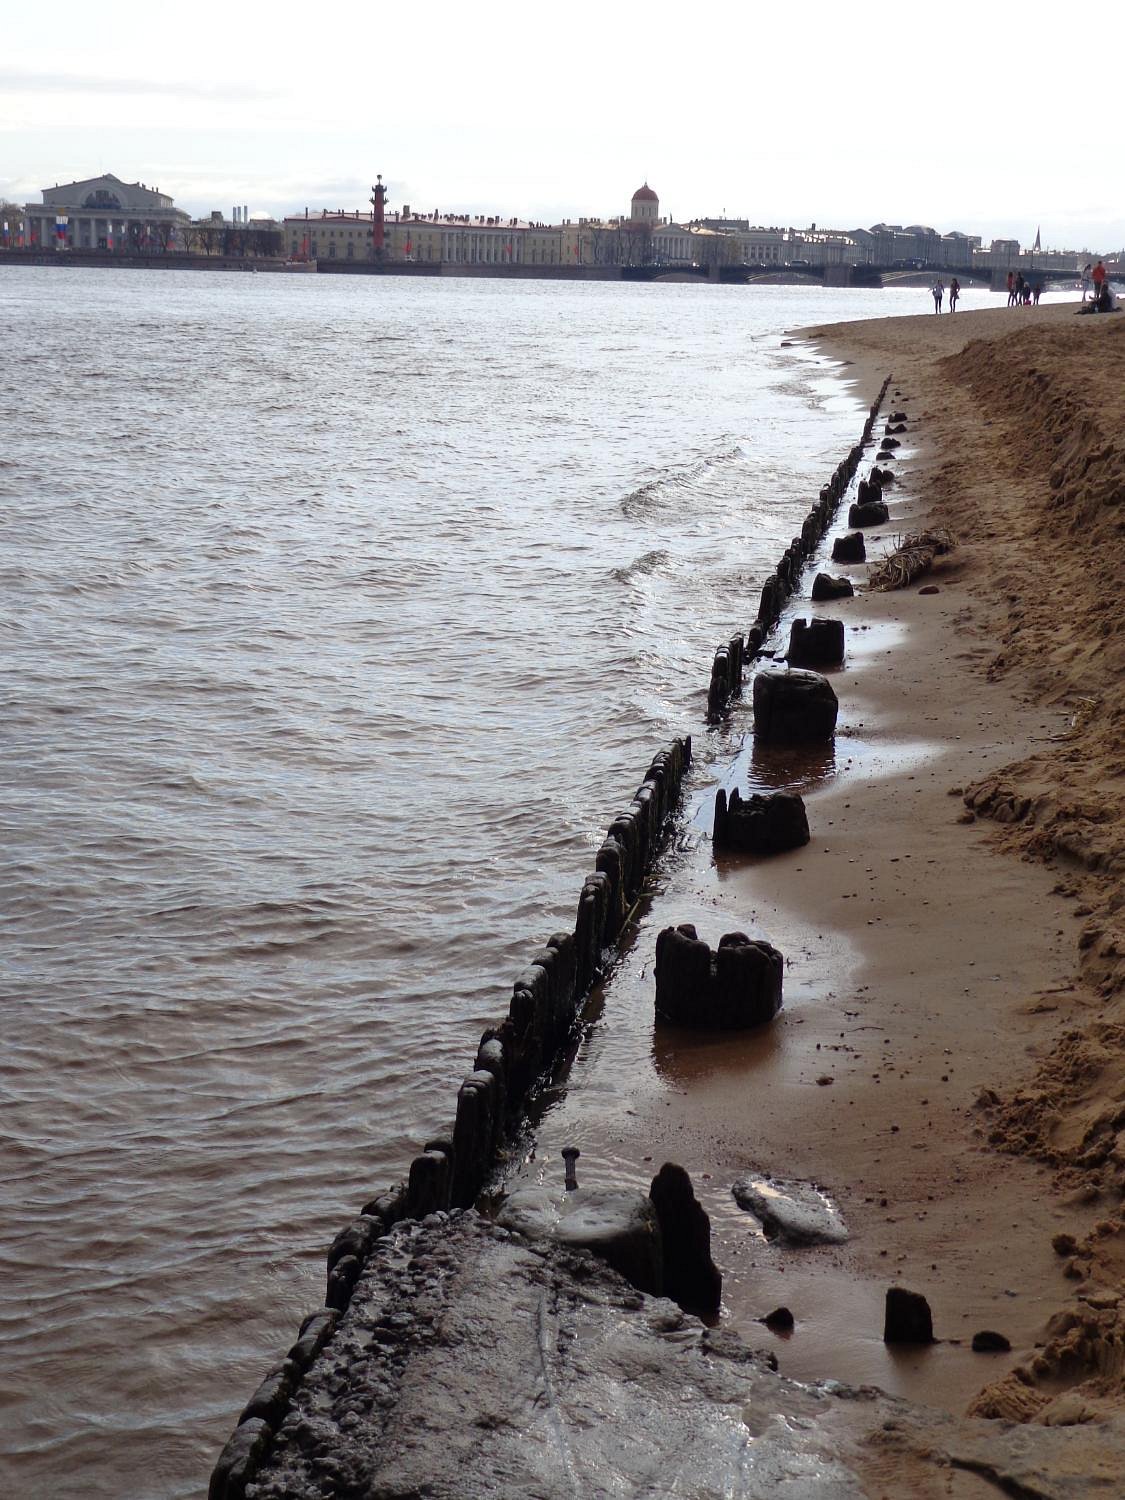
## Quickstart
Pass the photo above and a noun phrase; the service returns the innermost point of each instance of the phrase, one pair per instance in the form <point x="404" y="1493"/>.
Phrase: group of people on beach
<point x="939" y="294"/>
<point x="1021" y="292"/>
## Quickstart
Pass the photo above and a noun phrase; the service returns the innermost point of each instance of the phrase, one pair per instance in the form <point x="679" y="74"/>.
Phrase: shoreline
<point x="817" y="278"/>
<point x="929" y="1024"/>
<point x="890" y="883"/>
<point x="521" y="1058"/>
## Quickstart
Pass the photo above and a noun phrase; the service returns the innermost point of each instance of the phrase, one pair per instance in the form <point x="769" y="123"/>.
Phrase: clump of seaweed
<point x="913" y="555"/>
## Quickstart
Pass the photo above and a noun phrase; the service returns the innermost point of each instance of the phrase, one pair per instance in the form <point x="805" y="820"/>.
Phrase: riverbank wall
<point x="77" y="259"/>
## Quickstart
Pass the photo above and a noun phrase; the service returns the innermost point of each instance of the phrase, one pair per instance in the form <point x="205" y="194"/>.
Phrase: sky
<point x="830" y="115"/>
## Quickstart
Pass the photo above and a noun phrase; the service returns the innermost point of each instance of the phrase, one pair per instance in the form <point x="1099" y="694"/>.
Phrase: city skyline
<point x="830" y="123"/>
<point x="91" y="208"/>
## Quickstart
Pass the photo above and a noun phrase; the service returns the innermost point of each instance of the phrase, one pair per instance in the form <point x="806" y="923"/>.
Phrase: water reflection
<point x="790" y="768"/>
<point x="683" y="1057"/>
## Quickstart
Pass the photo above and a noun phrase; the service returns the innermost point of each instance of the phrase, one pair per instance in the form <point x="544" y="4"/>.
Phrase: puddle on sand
<point x="805" y="770"/>
<point x="790" y="768"/>
<point x="838" y="1333"/>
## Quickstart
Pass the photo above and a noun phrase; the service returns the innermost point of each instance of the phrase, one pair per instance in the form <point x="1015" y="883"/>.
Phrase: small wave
<point x="648" y="562"/>
<point x="670" y="487"/>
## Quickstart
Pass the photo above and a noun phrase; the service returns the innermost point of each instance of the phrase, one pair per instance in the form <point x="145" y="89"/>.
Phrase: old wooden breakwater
<point x="513" y="1056"/>
<point x="730" y="658"/>
<point x="516" y="1055"/>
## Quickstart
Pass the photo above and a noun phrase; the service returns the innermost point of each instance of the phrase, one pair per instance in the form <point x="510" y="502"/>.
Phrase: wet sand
<point x="948" y="1063"/>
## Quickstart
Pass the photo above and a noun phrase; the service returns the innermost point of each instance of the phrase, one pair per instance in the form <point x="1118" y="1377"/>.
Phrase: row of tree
<point x="214" y="237"/>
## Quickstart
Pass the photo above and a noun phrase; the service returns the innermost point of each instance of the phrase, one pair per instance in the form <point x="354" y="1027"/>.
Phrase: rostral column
<point x="378" y="233"/>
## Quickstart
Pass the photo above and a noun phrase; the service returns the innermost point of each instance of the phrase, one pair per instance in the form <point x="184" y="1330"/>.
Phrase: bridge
<point x="853" y="275"/>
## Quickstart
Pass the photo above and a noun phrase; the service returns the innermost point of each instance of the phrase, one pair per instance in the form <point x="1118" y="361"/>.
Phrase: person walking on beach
<point x="1019" y="289"/>
<point x="1098" y="278"/>
<point x="1085" y="280"/>
<point x="1036" y="292"/>
<point x="954" y="293"/>
<point x="1011" y="289"/>
<point x="939" y="293"/>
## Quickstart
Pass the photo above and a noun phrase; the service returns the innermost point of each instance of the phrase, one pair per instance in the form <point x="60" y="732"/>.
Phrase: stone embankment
<point x="473" y="1362"/>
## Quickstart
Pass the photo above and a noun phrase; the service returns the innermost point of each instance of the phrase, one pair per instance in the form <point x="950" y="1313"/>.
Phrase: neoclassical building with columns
<point x="104" y="213"/>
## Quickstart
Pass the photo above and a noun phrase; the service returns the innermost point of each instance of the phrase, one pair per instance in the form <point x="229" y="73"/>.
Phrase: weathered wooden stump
<point x="825" y="587"/>
<point x="816" y="643"/>
<point x="761" y="824"/>
<point x="849" y="549"/>
<point x="794" y="705"/>
<point x="873" y="513"/>
<point x="907" y="1319"/>
<point x="736" y="987"/>
<point x="690" y="1275"/>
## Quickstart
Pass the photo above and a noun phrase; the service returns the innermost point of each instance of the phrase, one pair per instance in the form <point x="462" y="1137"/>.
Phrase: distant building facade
<point x="454" y="239"/>
<point x="104" y="213"/>
<point x="642" y="238"/>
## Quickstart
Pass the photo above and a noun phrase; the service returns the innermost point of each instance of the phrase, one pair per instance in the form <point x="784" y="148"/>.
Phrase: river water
<point x="339" y="616"/>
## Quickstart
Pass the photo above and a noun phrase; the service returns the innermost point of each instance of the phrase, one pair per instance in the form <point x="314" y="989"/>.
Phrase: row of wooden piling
<point x="544" y="1008"/>
<point x="543" y="1012"/>
<point x="730" y="659"/>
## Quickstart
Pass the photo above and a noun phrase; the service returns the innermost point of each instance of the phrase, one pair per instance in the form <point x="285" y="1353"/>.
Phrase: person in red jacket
<point x="1098" y="278"/>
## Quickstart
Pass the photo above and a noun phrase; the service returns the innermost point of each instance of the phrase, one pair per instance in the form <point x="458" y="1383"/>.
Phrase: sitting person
<point x="1103" y="302"/>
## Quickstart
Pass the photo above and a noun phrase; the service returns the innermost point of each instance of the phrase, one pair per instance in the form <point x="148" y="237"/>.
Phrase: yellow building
<point x="425" y="239"/>
<point x="478" y="239"/>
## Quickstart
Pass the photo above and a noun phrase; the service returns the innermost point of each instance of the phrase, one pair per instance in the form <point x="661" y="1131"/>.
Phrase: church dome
<point x="645" y="194"/>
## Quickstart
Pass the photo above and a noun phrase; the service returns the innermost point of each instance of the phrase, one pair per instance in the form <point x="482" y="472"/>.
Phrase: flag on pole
<point x="60" y="230"/>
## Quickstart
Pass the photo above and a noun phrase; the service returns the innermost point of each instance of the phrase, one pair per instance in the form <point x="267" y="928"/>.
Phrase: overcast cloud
<point x="833" y="114"/>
